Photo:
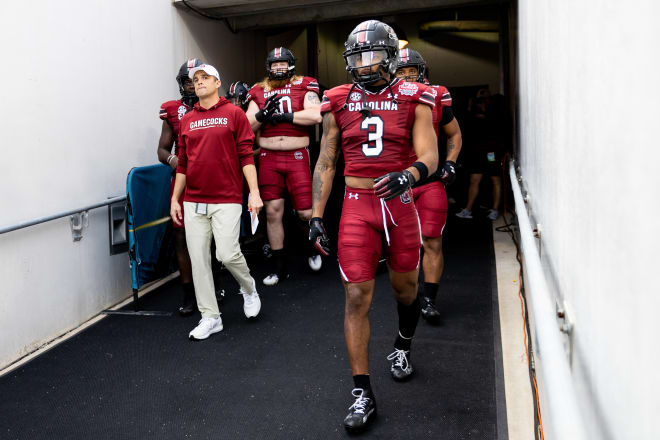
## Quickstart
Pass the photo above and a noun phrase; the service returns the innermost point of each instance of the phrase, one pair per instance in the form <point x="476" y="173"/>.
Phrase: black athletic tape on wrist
<point x="287" y="117"/>
<point x="260" y="116"/>
<point x="423" y="170"/>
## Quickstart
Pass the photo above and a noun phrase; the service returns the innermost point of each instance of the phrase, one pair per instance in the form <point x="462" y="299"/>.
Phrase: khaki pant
<point x="222" y="222"/>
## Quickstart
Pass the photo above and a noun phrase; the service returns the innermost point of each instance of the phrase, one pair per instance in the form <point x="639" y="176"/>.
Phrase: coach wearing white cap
<point x="215" y="152"/>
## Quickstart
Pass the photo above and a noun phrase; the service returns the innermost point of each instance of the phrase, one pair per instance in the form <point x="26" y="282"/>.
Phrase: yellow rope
<point x="150" y="224"/>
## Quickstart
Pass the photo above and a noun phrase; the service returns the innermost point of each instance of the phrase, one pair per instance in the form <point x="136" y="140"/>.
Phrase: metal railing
<point x="564" y="421"/>
<point x="26" y="224"/>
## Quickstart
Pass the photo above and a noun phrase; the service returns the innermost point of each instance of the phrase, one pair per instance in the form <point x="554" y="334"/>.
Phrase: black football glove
<point x="393" y="184"/>
<point x="278" y="117"/>
<point x="448" y="172"/>
<point x="318" y="236"/>
<point x="270" y="107"/>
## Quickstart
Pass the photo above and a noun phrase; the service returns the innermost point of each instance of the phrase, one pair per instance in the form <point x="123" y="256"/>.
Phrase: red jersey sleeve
<point x="311" y="84"/>
<point x="163" y="111"/>
<point x="333" y="99"/>
<point x="244" y="138"/>
<point x="256" y="94"/>
<point x="444" y="97"/>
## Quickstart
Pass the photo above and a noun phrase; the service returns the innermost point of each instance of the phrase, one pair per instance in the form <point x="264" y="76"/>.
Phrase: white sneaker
<point x="271" y="279"/>
<point x="205" y="328"/>
<point x="464" y="213"/>
<point x="315" y="263"/>
<point x="493" y="214"/>
<point x="251" y="304"/>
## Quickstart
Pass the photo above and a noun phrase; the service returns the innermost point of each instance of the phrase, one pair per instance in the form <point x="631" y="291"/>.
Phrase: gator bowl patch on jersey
<point x="408" y="88"/>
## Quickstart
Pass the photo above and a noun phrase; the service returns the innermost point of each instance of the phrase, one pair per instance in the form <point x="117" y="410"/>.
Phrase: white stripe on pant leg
<point x="226" y="224"/>
<point x="342" y="272"/>
<point x="198" y="240"/>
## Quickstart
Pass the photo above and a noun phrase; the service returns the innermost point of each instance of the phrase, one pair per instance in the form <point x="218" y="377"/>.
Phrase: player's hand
<point x="175" y="213"/>
<point x="393" y="184"/>
<point x="255" y="203"/>
<point x="318" y="236"/>
<point x="277" y="117"/>
<point x="448" y="172"/>
<point x="174" y="162"/>
<point x="270" y="107"/>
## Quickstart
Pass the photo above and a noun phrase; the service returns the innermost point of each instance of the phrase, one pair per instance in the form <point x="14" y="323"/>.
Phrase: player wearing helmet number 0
<point x="376" y="122"/>
<point x="430" y="196"/>
<point x="280" y="110"/>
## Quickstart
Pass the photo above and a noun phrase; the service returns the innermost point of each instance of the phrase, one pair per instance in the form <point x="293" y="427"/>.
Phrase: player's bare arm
<point x="311" y="113"/>
<point x="425" y="142"/>
<point x="252" y="110"/>
<point x="324" y="172"/>
<point x="454" y="139"/>
<point x="165" y="144"/>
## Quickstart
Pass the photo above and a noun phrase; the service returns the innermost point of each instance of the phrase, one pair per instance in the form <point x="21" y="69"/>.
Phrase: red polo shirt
<point x="214" y="146"/>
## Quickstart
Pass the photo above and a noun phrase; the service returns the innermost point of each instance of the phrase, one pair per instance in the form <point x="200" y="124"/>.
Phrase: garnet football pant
<point x="286" y="171"/>
<point x="431" y="204"/>
<point x="366" y="226"/>
<point x="221" y="222"/>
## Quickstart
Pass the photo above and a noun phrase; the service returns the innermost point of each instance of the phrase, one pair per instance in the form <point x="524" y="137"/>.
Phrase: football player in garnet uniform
<point x="171" y="113"/>
<point x="376" y="122"/>
<point x="280" y="110"/>
<point x="430" y="196"/>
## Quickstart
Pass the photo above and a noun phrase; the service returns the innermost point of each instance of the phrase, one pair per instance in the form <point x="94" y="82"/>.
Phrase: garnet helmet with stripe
<point x="280" y="54"/>
<point x="412" y="58"/>
<point x="371" y="36"/>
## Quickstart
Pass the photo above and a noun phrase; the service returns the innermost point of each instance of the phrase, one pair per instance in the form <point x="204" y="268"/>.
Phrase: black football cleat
<point x="362" y="412"/>
<point x="401" y="368"/>
<point x="189" y="305"/>
<point x="429" y="311"/>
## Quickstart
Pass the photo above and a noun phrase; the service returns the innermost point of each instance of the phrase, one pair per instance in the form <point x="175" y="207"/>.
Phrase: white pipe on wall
<point x="564" y="418"/>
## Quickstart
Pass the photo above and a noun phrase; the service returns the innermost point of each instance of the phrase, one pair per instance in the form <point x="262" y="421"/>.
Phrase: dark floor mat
<point x="284" y="375"/>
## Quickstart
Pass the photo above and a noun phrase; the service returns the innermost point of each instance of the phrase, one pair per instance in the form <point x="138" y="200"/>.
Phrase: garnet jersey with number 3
<point x="381" y="143"/>
<point x="292" y="100"/>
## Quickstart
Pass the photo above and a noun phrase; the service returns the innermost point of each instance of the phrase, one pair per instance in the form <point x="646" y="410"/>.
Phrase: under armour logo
<point x="403" y="180"/>
<point x="353" y="196"/>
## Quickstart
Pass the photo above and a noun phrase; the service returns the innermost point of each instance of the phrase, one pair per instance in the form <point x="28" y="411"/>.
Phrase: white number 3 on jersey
<point x="373" y="125"/>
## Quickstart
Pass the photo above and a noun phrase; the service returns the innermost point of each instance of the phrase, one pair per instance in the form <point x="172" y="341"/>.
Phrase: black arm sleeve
<point x="447" y="116"/>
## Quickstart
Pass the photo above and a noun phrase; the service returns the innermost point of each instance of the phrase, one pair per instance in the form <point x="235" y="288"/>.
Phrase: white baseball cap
<point x="209" y="69"/>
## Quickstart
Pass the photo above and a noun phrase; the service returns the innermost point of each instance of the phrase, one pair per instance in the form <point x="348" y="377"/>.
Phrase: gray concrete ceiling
<point x="252" y="14"/>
